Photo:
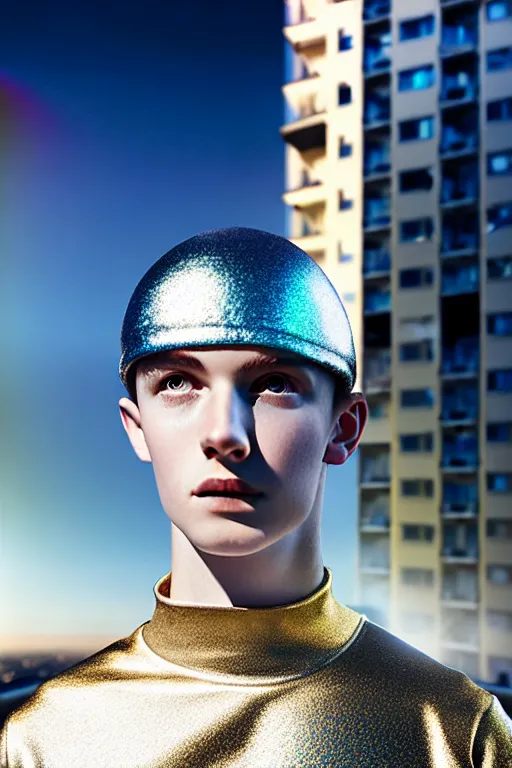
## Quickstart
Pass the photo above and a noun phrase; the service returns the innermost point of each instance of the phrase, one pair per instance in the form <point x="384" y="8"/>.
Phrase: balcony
<point x="377" y="164"/>
<point x="377" y="301"/>
<point x="459" y="184"/>
<point x="377" y="372"/>
<point x="309" y="237"/>
<point x="377" y="213"/>
<point x="375" y="470"/>
<point x="376" y="10"/>
<point x="376" y="263"/>
<point x="377" y="563"/>
<point x="307" y="193"/>
<point x="461" y="360"/>
<point x="305" y="125"/>
<point x="459" y="236"/>
<point x="460" y="451"/>
<point x="459" y="404"/>
<point x="458" y="38"/>
<point x="459" y="87"/>
<point x="375" y="520"/>
<point x="457" y="280"/>
<point x="459" y="131"/>
<point x="452" y="510"/>
<point x="460" y="590"/>
<point x="377" y="108"/>
<point x="377" y="53"/>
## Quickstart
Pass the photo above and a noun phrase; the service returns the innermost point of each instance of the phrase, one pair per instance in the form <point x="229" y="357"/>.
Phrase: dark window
<point x="416" y="79"/>
<point x="344" y="95"/>
<point x="416" y="230"/>
<point x="413" y="130"/>
<point x="411" y="29"/>
<point x="500" y="433"/>
<point x="418" y="488"/>
<point x="345" y="42"/>
<point x="417" y="398"/>
<point x="500" y="58"/>
<point x="416" y="278"/>
<point x="419" y="179"/>
<point x="501" y="109"/>
<point x="499" y="529"/>
<point x="499" y="216"/>
<point x="500" y="381"/>
<point x="416" y="351"/>
<point x="345" y="257"/>
<point x="500" y="324"/>
<point x="499" y="163"/>
<point x="500" y="267"/>
<point x="345" y="149"/>
<point x="418" y="532"/>
<point x="417" y="443"/>
<point x="499" y="482"/>
<point x="345" y="204"/>
<point x="498" y="10"/>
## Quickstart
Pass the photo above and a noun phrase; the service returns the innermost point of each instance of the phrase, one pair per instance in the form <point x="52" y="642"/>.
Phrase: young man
<point x="238" y="357"/>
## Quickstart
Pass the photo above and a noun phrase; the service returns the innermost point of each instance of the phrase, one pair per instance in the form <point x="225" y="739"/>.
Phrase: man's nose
<point x="225" y="432"/>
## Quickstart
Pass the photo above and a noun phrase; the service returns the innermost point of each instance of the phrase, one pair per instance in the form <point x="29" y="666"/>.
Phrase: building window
<point x="417" y="398"/>
<point x="345" y="149"/>
<point x="411" y="29"/>
<point x="499" y="59"/>
<point x="348" y="298"/>
<point x="346" y="42"/>
<point x="344" y="204"/>
<point x="500" y="432"/>
<point x="500" y="620"/>
<point x="419" y="443"/>
<point x="501" y="109"/>
<point x="499" y="574"/>
<point x="416" y="230"/>
<point x="413" y="130"/>
<point x="499" y="381"/>
<point x="416" y="621"/>
<point x="416" y="278"/>
<point x="417" y="180"/>
<point x="345" y="257"/>
<point x="499" y="324"/>
<point x="499" y="529"/>
<point x="499" y="163"/>
<point x="344" y="95"/>
<point x="418" y="488"/>
<point x="499" y="268"/>
<point x="499" y="482"/>
<point x="416" y="351"/>
<point x="499" y="216"/>
<point x="498" y="10"/>
<point x="418" y="532"/>
<point x="417" y="577"/>
<point x="416" y="79"/>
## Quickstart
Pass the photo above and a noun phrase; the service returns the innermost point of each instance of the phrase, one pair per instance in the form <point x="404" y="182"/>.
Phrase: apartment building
<point x="398" y="141"/>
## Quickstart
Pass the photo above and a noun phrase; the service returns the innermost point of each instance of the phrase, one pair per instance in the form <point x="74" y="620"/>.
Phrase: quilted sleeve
<point x="492" y="747"/>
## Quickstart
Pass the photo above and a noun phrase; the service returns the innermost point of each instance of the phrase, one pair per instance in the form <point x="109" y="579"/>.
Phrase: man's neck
<point x="283" y="573"/>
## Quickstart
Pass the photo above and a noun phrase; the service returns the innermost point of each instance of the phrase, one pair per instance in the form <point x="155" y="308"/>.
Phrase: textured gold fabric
<point x="312" y="683"/>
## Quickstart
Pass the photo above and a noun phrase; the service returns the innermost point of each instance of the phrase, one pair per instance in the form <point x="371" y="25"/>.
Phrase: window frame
<point x="428" y="69"/>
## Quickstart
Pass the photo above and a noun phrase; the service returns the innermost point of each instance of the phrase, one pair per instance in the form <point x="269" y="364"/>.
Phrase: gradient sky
<point x="124" y="129"/>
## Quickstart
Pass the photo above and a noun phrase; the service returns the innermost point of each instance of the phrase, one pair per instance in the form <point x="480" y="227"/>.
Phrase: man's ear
<point x="130" y="416"/>
<point x="347" y="431"/>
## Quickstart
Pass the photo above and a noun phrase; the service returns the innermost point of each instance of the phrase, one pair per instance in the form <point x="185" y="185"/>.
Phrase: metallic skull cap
<point x="238" y="286"/>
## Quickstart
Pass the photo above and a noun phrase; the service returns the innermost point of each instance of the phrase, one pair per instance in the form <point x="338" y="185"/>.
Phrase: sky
<point x="124" y="129"/>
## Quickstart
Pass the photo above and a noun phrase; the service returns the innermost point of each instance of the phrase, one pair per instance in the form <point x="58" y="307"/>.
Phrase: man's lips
<point x="216" y="486"/>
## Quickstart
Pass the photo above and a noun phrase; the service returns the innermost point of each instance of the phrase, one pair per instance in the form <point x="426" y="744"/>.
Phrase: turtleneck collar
<point x="255" y="645"/>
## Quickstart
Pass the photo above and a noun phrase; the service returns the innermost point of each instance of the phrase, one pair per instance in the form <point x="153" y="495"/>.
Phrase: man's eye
<point x="170" y="382"/>
<point x="275" y="384"/>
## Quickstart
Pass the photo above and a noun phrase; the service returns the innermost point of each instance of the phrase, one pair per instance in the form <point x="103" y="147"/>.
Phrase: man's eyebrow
<point x="184" y="360"/>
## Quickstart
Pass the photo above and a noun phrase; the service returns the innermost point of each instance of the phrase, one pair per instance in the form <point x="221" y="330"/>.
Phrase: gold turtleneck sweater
<point x="312" y="683"/>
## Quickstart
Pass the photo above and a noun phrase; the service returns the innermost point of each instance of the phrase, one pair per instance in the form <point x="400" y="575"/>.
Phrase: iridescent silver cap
<point x="238" y="286"/>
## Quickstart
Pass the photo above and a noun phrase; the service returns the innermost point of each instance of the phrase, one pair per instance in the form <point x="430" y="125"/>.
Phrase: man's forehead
<point x="239" y="356"/>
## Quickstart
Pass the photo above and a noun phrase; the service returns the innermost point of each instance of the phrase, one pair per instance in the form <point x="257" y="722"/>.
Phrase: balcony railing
<point x="377" y="302"/>
<point x="375" y="9"/>
<point x="462" y="358"/>
<point x="455" y="409"/>
<point x="377" y="164"/>
<point x="375" y="519"/>
<point x="306" y="109"/>
<point x="376" y="261"/>
<point x="453" y="241"/>
<point x="458" y="190"/>
<point x="458" y="36"/>
<point x="470" y="552"/>
<point x="458" y="141"/>
<point x="377" y="60"/>
<point x="376" y="113"/>
<point x="458" y="87"/>
<point x="454" y="459"/>
<point x="375" y="471"/>
<point x="375" y="562"/>
<point x="461" y="506"/>
<point x="377" y="372"/>
<point x="377" y="212"/>
<point x="462" y="283"/>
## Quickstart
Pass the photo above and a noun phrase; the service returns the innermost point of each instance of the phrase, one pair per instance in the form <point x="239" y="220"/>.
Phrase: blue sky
<point x="125" y="128"/>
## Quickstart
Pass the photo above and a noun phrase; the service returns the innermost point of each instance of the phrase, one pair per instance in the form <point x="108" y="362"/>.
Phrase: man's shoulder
<point x="79" y="681"/>
<point x="406" y="669"/>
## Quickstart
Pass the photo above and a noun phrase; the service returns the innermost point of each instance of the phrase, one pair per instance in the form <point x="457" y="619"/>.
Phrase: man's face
<point x="228" y="413"/>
